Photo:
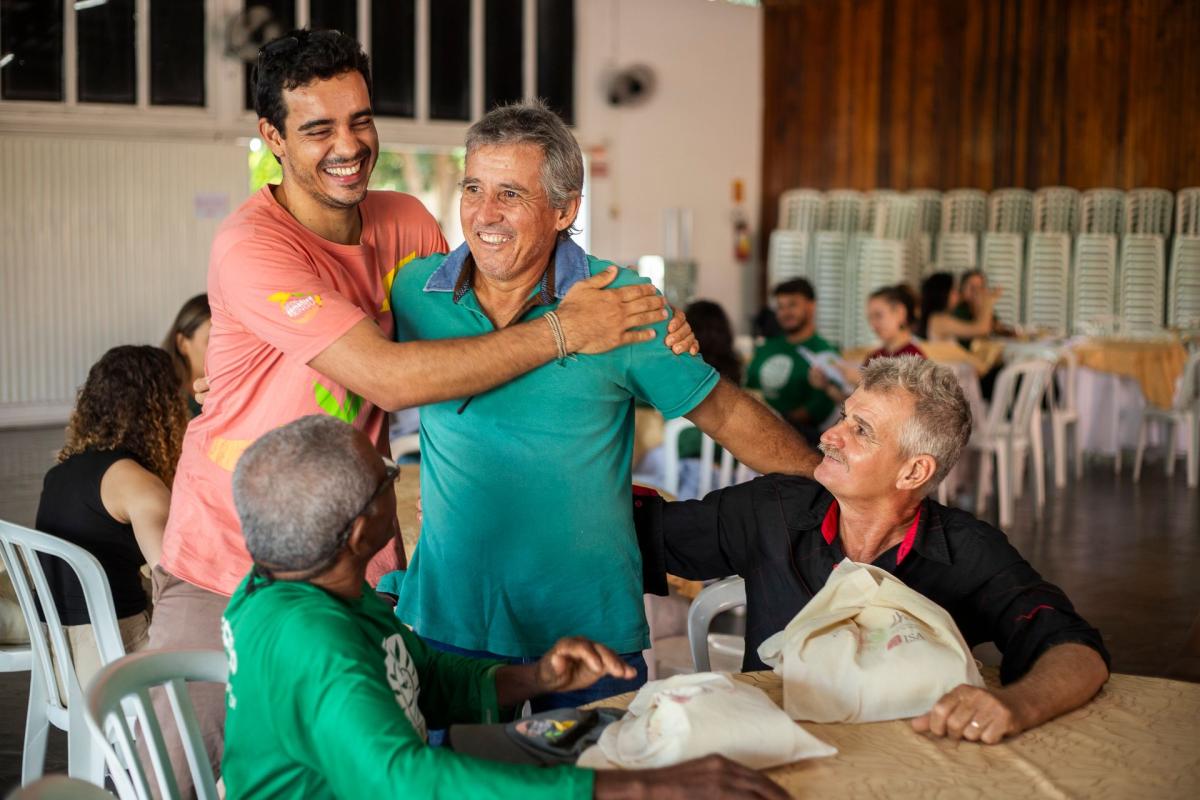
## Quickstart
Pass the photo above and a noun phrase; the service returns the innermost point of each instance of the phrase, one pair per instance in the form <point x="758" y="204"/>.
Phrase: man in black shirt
<point x="900" y="433"/>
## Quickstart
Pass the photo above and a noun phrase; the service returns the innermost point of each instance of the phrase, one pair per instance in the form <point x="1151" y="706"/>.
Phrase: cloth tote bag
<point x="867" y="648"/>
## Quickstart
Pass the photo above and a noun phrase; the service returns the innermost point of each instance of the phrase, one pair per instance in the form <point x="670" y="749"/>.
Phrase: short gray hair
<point x="297" y="487"/>
<point x="941" y="421"/>
<point x="534" y="123"/>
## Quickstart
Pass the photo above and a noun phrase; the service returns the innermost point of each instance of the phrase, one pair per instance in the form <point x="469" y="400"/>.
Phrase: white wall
<point x="686" y="145"/>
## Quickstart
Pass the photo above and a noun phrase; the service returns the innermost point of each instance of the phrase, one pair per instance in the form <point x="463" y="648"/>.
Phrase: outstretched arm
<point x="1065" y="677"/>
<point x="754" y="435"/>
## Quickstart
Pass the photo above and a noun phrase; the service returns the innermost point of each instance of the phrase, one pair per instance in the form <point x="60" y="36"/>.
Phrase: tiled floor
<point x="1127" y="554"/>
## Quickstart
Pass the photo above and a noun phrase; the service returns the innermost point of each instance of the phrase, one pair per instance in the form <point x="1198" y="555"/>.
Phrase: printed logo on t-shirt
<point x="299" y="307"/>
<point x="774" y="373"/>
<point x="231" y="655"/>
<point x="390" y="278"/>
<point x="402" y="677"/>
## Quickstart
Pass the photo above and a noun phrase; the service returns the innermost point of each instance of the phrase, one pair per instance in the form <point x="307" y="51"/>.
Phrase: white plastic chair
<point x="1056" y="210"/>
<point x="1094" y="281"/>
<point x="1185" y="412"/>
<point x="1047" y="281"/>
<point x="1003" y="262"/>
<point x="123" y="687"/>
<point x="1183" y="294"/>
<point x="1008" y="434"/>
<point x="831" y="279"/>
<point x="789" y="254"/>
<point x="1101" y="211"/>
<point x="1187" y="212"/>
<point x="957" y="252"/>
<point x="801" y="210"/>
<point x="715" y="599"/>
<point x="708" y="449"/>
<point x="1148" y="211"/>
<point x="60" y="787"/>
<point x="48" y="642"/>
<point x="964" y="211"/>
<point x="1141" y="287"/>
<point x="844" y="211"/>
<point x="1010" y="211"/>
<point x="407" y="445"/>
<point x="1064" y="413"/>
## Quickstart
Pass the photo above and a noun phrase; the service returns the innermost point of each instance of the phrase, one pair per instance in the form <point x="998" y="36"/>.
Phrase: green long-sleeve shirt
<point x="330" y="697"/>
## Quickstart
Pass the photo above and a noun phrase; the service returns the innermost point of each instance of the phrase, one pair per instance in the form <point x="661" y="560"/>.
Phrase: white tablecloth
<point x="1099" y="396"/>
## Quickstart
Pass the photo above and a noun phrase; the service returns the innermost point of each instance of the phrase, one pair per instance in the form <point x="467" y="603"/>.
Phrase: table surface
<point x="1140" y="737"/>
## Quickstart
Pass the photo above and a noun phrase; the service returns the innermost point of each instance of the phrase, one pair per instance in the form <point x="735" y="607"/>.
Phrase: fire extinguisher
<point x="741" y="226"/>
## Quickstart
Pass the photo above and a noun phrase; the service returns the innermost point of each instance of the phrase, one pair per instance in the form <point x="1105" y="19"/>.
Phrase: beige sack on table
<point x="690" y="716"/>
<point x="867" y="648"/>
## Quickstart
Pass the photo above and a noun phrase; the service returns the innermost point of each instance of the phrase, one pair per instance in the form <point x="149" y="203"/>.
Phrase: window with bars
<point x="424" y="63"/>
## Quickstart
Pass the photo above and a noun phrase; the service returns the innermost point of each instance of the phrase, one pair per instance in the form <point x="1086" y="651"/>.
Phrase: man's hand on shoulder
<point x="680" y="336"/>
<point x="595" y="319"/>
<point x="975" y="714"/>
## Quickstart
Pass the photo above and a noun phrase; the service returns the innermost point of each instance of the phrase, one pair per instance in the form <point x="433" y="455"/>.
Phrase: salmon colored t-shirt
<point x="280" y="295"/>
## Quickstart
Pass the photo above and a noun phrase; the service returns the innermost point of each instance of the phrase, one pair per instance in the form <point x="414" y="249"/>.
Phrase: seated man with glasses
<point x="330" y="695"/>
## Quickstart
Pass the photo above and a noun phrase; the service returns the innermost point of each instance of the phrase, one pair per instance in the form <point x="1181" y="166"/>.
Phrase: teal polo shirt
<point x="528" y="530"/>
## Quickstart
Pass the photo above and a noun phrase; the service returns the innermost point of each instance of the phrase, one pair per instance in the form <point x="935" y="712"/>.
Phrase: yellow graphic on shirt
<point x="299" y="307"/>
<point x="226" y="452"/>
<point x="390" y="278"/>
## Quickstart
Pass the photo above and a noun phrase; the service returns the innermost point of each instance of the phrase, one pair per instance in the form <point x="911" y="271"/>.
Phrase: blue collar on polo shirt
<point x="567" y="267"/>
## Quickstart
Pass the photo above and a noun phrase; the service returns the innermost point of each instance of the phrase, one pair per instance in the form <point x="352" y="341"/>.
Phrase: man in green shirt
<point x="781" y="371"/>
<point x="528" y="516"/>
<point x="330" y="695"/>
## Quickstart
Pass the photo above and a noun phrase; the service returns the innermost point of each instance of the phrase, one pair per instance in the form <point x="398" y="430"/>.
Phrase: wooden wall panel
<point x="984" y="93"/>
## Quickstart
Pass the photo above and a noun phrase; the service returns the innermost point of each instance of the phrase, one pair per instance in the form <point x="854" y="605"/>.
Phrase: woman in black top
<point x="109" y="492"/>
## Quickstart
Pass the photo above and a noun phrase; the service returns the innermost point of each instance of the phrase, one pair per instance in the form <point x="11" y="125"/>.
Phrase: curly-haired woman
<point x="109" y="492"/>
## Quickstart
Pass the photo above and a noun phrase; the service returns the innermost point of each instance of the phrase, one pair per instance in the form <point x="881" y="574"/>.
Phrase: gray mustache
<point x="830" y="451"/>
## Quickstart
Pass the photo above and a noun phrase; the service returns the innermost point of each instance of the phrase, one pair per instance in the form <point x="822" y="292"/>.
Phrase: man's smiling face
<point x="863" y="457"/>
<point x="329" y="143"/>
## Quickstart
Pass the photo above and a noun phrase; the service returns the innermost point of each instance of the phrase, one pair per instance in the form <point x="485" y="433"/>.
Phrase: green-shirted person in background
<point x="330" y="695"/>
<point x="781" y="372"/>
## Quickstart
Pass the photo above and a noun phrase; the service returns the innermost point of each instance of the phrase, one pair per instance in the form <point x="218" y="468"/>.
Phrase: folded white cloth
<point x="689" y="716"/>
<point x="867" y="648"/>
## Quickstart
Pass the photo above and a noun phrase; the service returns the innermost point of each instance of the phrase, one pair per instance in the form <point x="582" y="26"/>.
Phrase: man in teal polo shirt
<point x="528" y="529"/>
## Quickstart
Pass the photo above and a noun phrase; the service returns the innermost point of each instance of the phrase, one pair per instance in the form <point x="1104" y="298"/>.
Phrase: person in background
<point x="712" y="330"/>
<point x="187" y="342"/>
<point x="939" y="324"/>
<point x="781" y="372"/>
<point x="891" y="311"/>
<point x="108" y="493"/>
<point x="331" y="695"/>
<point x="972" y="291"/>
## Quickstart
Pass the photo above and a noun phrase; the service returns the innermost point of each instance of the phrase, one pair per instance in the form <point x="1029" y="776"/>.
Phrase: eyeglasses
<point x="392" y="471"/>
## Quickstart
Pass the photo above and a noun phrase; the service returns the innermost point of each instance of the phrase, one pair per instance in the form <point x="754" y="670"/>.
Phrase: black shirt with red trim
<point x="780" y="533"/>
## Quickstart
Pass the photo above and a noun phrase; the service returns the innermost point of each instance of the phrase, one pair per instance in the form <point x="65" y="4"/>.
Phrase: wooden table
<point x="1140" y="737"/>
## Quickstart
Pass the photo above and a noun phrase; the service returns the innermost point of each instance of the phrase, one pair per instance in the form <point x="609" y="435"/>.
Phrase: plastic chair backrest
<point x="1014" y="406"/>
<point x="124" y="686"/>
<point x="1187" y="212"/>
<point x="714" y="599"/>
<point x="1101" y="211"/>
<point x="19" y="548"/>
<point x="1189" y="389"/>
<point x="671" y="430"/>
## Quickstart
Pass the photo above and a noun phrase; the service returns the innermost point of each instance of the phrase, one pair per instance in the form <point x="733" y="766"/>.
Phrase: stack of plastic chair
<point x="1094" y="286"/>
<point x="831" y="253"/>
<point x="844" y="211"/>
<point x="964" y="217"/>
<point x="964" y="211"/>
<point x="1003" y="262"/>
<point x="877" y="200"/>
<point x="1183" y="293"/>
<point x="1184" y="412"/>
<point x="929" y="222"/>
<point x="1142" y="284"/>
<point x="1056" y="210"/>
<point x="881" y="262"/>
<point x="896" y="216"/>
<point x="1148" y="211"/>
<point x="1094" y="275"/>
<point x="1010" y="211"/>
<point x="800" y="210"/>
<point x="788" y="255"/>
<point x="1101" y="211"/>
<point x="1047" y="281"/>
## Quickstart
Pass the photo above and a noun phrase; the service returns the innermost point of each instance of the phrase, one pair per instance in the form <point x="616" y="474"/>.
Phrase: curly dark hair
<point x="131" y="401"/>
<point x="299" y="58"/>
